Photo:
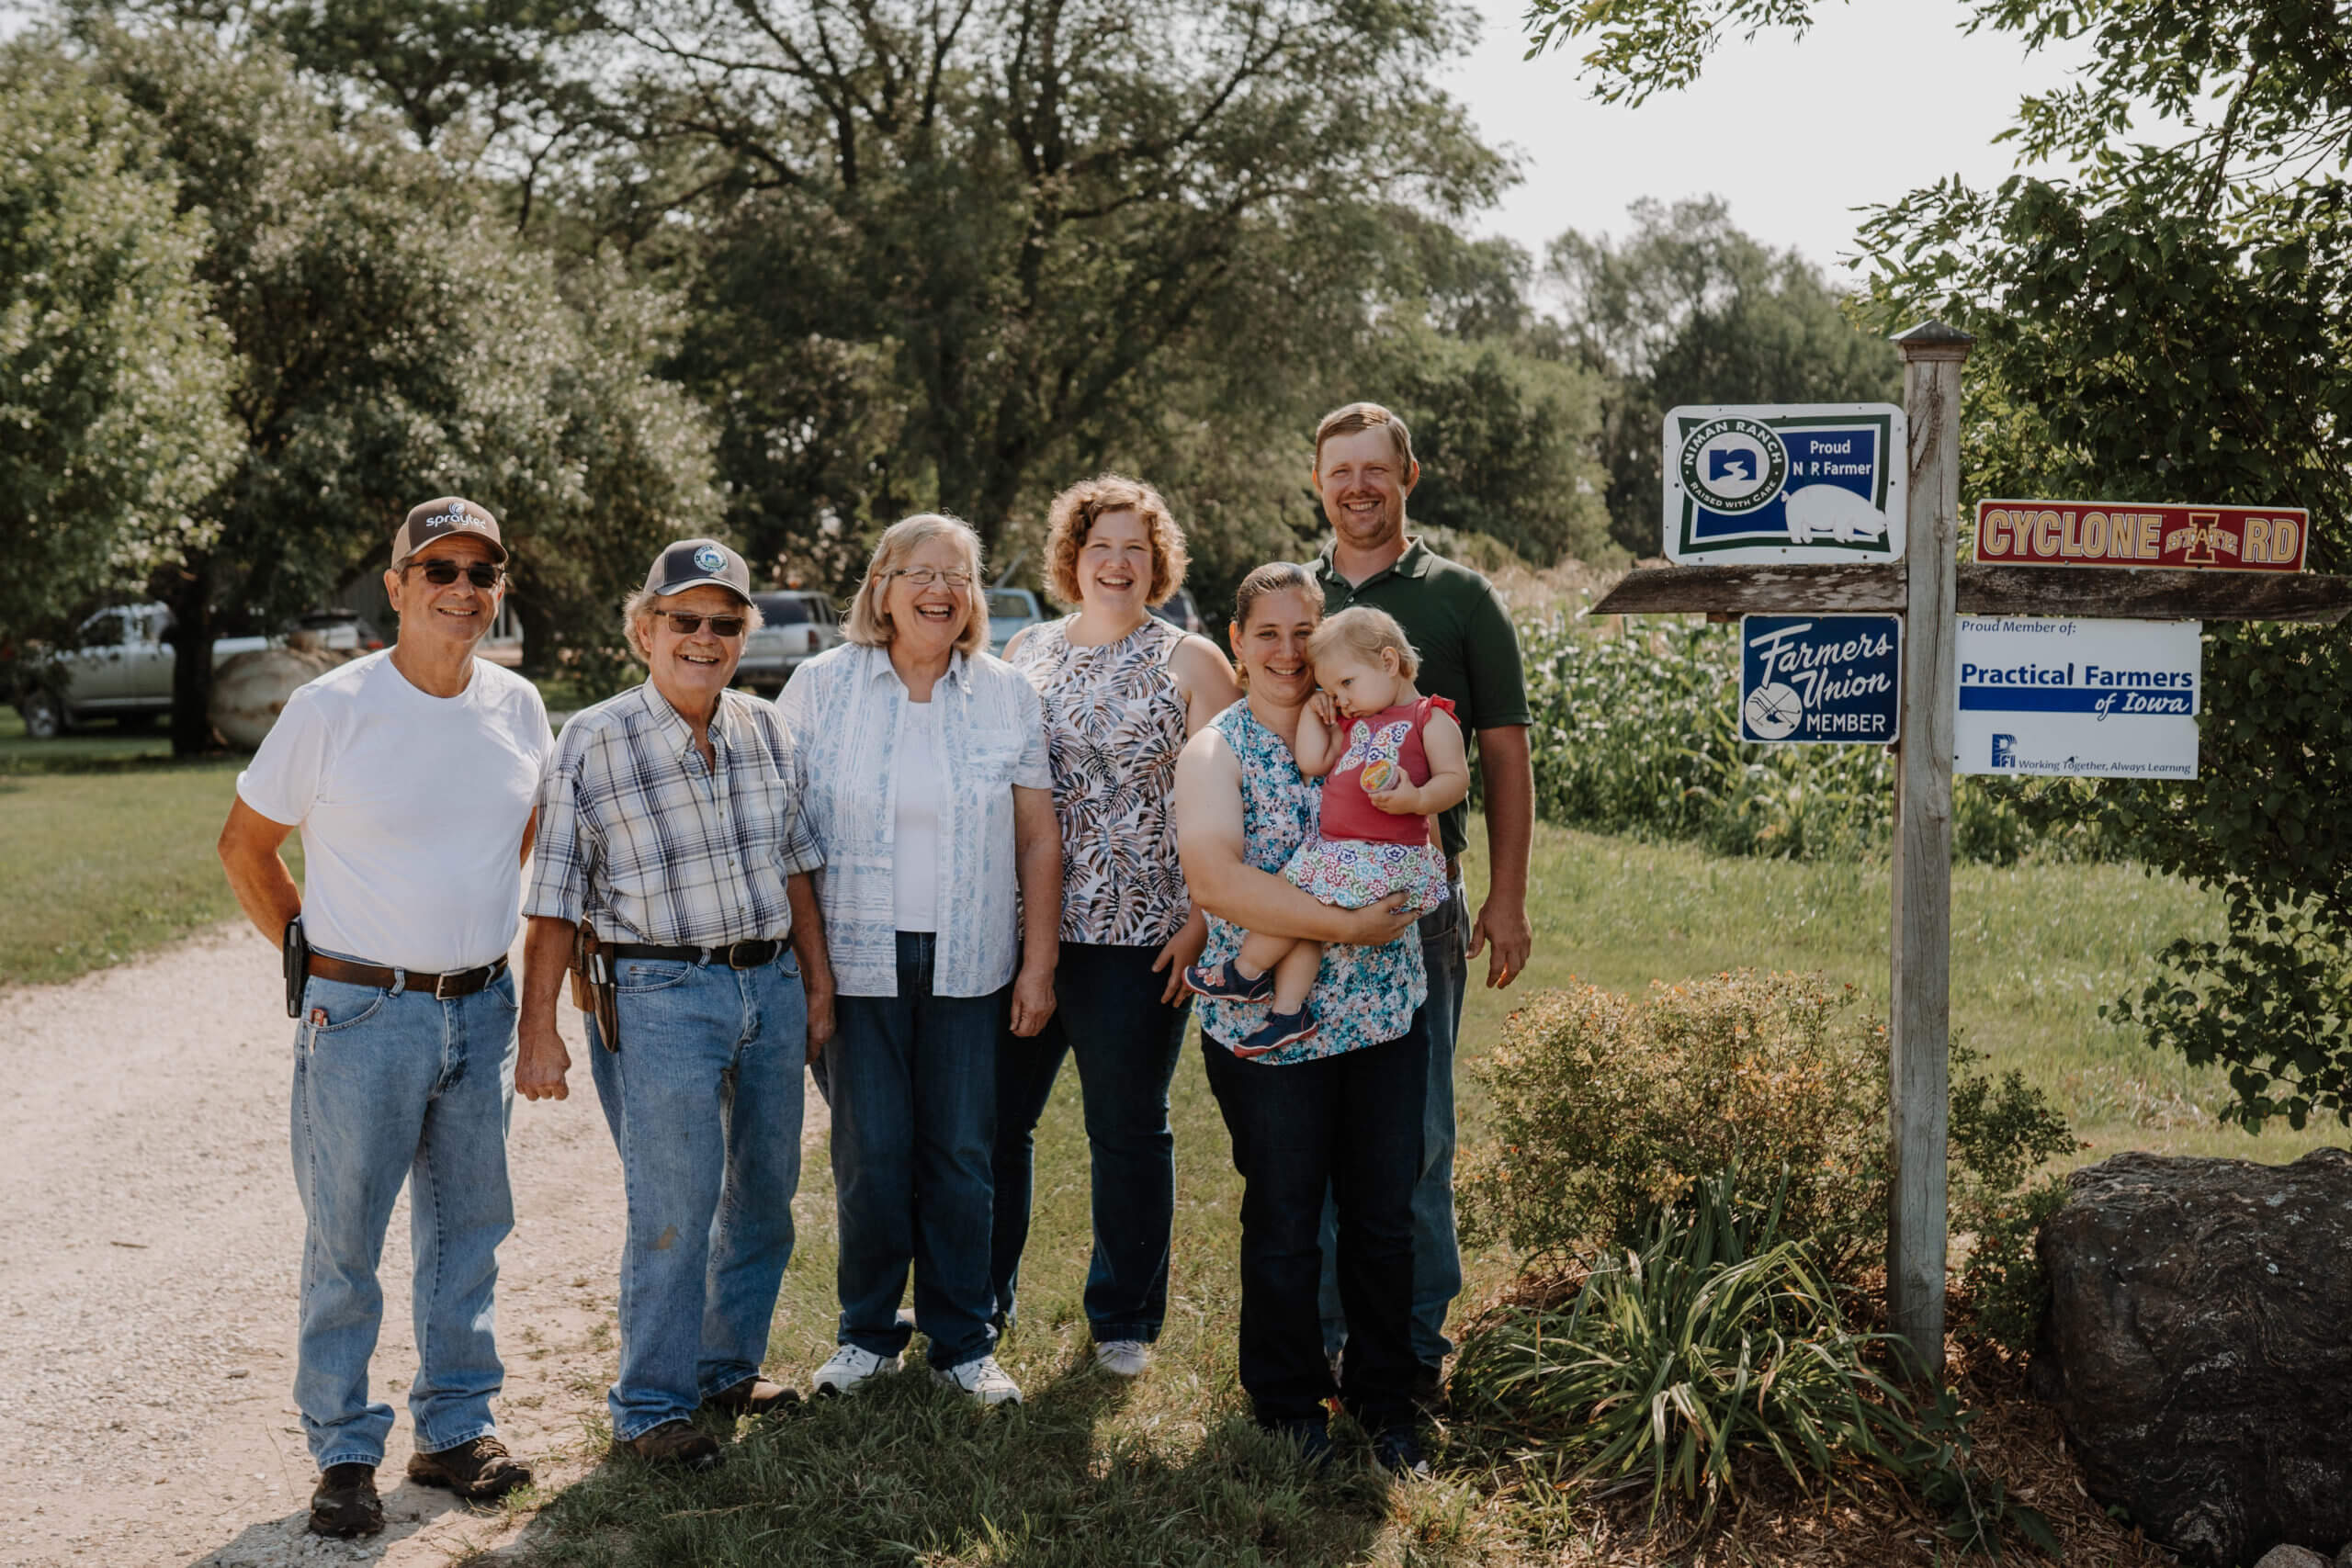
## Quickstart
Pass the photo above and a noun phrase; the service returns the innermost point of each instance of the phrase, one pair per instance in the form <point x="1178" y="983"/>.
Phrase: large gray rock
<point x="2198" y="1346"/>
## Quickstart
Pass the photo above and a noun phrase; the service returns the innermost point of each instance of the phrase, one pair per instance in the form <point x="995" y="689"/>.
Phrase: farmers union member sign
<point x="2103" y="698"/>
<point x="1785" y="483"/>
<point x="1807" y="678"/>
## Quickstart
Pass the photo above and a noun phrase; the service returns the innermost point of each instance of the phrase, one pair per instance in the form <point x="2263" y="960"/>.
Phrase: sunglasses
<point x="688" y="623"/>
<point x="441" y="574"/>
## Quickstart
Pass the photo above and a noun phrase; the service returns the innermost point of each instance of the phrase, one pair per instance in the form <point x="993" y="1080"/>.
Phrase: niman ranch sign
<point x="2075" y="532"/>
<point x="1834" y="529"/>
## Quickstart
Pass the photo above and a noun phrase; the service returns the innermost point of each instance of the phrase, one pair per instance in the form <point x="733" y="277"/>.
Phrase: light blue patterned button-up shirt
<point x="845" y="708"/>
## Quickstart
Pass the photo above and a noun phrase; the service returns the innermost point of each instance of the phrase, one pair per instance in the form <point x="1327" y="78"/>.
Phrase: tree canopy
<point x="112" y="427"/>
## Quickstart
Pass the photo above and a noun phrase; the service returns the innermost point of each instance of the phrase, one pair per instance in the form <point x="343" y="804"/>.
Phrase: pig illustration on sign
<point x="1832" y="512"/>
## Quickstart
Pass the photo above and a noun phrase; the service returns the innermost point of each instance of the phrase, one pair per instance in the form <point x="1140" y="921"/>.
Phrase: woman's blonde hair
<point x="869" y="625"/>
<point x="1072" y="517"/>
<point x="637" y="621"/>
<point x="1363" y="629"/>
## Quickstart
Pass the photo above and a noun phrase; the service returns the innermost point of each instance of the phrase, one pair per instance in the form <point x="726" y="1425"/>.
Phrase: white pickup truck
<point x="120" y="666"/>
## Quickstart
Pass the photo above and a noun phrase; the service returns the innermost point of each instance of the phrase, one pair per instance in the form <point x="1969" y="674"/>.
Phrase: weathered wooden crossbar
<point x="2150" y="594"/>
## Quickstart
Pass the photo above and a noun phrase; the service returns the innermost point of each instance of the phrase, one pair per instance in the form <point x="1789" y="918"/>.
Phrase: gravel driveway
<point x="148" y="1250"/>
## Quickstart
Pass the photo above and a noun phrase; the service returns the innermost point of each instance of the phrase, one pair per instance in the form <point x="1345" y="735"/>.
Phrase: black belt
<point x="735" y="954"/>
<point x="457" y="983"/>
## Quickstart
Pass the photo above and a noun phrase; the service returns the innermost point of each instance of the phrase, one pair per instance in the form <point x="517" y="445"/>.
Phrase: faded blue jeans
<point x="911" y="1079"/>
<point x="704" y="1102"/>
<point x="391" y="1085"/>
<point x="1437" y="1253"/>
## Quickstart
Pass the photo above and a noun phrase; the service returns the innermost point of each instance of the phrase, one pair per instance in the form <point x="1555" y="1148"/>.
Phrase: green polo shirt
<point x="1456" y="622"/>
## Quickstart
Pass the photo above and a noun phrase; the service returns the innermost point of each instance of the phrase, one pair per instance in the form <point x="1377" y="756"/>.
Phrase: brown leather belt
<point x="460" y="983"/>
<point x="751" y="955"/>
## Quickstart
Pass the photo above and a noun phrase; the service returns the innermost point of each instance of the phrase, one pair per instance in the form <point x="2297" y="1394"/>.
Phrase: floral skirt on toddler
<point x="1349" y="873"/>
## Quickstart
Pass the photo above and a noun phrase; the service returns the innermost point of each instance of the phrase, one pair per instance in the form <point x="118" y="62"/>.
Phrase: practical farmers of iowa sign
<point x="2130" y="533"/>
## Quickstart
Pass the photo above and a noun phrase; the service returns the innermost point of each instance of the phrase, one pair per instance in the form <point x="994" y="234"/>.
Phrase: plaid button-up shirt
<point x="637" y="837"/>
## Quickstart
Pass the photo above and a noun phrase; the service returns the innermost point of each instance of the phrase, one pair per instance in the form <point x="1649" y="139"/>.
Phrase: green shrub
<point x="1637" y="733"/>
<point x="2003" y="1134"/>
<point x="1608" y="1109"/>
<point x="1718" y="1339"/>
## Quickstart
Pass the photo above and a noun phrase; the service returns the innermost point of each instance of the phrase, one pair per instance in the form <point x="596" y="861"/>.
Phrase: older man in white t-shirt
<point x="410" y="774"/>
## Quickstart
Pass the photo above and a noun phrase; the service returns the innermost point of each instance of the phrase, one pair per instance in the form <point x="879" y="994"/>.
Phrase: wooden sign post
<point x="1930" y="588"/>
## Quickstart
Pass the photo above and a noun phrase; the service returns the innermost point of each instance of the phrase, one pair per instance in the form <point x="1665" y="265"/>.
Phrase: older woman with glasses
<point x="930" y="797"/>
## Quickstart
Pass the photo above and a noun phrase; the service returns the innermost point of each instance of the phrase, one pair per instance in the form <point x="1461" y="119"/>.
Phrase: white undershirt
<point x="922" y="796"/>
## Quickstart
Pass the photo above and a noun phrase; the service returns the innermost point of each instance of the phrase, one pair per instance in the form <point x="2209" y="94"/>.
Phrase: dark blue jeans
<point x="911" y="1079"/>
<point x="1437" y="1253"/>
<point x="1107" y="1012"/>
<point x="1350" y="1125"/>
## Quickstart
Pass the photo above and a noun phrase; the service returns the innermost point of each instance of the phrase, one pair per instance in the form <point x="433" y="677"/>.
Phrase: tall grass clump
<point x="1636" y="732"/>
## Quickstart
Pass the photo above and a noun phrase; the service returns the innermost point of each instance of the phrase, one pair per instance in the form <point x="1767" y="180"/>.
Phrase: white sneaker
<point x="1122" y="1358"/>
<point x="983" y="1380"/>
<point x="852" y="1368"/>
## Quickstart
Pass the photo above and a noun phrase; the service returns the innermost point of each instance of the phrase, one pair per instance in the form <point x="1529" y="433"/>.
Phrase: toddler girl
<point x="1391" y="758"/>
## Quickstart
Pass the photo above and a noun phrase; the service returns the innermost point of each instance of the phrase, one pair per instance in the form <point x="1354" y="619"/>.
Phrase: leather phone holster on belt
<point x="593" y="991"/>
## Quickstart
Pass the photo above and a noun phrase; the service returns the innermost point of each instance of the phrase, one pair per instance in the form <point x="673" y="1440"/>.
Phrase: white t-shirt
<point x="922" y="790"/>
<point x="412" y="808"/>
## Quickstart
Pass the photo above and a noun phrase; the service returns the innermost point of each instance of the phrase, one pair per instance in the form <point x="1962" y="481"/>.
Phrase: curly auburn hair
<point x="1072" y="517"/>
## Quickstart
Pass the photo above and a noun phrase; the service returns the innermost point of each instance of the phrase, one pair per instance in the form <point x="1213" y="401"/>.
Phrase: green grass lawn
<point x="108" y="844"/>
<point x="1168" y="1471"/>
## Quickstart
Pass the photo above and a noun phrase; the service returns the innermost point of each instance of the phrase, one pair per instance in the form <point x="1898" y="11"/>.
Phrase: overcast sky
<point x="1792" y="134"/>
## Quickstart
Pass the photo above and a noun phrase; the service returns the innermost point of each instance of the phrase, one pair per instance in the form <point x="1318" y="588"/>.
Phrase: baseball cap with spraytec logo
<point x="439" y="520"/>
<point x="691" y="563"/>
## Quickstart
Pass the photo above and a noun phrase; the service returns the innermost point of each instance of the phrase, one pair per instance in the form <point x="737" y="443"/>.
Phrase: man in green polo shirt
<point x="1469" y="651"/>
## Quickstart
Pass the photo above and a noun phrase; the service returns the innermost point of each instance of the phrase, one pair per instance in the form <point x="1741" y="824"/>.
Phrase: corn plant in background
<point x="1636" y="732"/>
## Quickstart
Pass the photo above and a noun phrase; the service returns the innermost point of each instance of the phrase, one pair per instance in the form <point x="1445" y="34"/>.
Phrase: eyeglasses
<point x="441" y="574"/>
<point x="688" y="623"/>
<point x="924" y="577"/>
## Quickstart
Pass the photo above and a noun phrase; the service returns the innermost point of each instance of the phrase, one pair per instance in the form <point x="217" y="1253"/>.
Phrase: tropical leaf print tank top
<point x="1114" y="725"/>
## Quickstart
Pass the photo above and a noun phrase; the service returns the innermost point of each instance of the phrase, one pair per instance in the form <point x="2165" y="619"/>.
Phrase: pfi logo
<point x="2005" y="750"/>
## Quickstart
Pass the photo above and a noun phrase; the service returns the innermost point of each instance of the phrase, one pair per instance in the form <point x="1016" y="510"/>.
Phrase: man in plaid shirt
<point x="669" y="823"/>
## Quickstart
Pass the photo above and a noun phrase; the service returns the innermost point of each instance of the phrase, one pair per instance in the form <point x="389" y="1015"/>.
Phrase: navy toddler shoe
<point x="1280" y="1029"/>
<point x="1224" y="983"/>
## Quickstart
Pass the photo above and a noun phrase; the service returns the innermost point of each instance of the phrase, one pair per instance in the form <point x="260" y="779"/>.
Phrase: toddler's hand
<point x="1399" y="797"/>
<point x="1321" y="706"/>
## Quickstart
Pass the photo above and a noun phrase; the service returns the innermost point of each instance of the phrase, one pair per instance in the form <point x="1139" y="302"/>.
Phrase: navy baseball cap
<point x="690" y="563"/>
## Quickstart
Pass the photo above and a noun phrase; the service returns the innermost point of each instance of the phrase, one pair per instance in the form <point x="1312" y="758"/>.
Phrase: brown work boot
<point x="345" y="1504"/>
<point x="478" y="1472"/>
<point x="676" y="1442"/>
<point x="754" y="1396"/>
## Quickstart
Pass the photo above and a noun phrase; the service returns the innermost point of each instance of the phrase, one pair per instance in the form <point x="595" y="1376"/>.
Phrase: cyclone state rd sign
<point x="2136" y="534"/>
<point x="1807" y="680"/>
<point x="1785" y="483"/>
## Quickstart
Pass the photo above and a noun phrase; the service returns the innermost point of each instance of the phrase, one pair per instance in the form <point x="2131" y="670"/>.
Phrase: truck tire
<point x="44" y="717"/>
<point x="250" y="690"/>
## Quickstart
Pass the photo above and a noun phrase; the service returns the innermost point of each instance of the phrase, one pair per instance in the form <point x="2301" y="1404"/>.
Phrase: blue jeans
<point x="1107" y="1012"/>
<point x="392" y="1086"/>
<point x="1349" y="1126"/>
<point x="911" y="1079"/>
<point x="704" y="1102"/>
<point x="1437" y="1253"/>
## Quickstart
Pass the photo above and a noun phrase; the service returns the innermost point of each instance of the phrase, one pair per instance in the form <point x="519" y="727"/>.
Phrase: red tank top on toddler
<point x="1387" y="739"/>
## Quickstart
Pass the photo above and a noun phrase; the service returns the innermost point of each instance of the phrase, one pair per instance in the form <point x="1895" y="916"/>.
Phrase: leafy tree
<point x="1690" y="309"/>
<point x="2168" y="321"/>
<point x="959" y="252"/>
<point x="392" y="343"/>
<point x="112" y="425"/>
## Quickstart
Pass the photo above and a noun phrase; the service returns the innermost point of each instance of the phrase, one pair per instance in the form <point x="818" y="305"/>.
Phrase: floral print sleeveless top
<point x="1363" y="996"/>
<point x="1114" y="726"/>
